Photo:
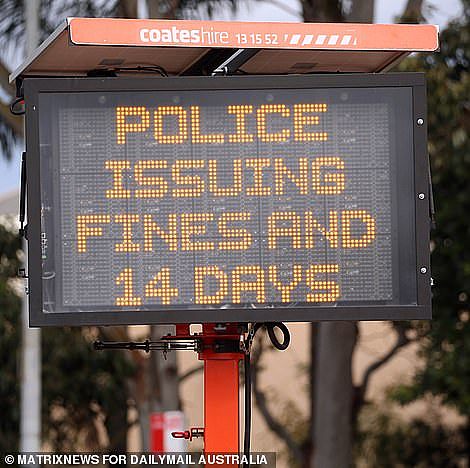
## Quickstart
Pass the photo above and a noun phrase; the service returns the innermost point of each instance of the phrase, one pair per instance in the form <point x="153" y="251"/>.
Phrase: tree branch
<point x="14" y="122"/>
<point x="127" y="9"/>
<point x="190" y="373"/>
<point x="4" y="80"/>
<point x="401" y="341"/>
<point x="322" y="11"/>
<point x="261" y="402"/>
<point x="362" y="11"/>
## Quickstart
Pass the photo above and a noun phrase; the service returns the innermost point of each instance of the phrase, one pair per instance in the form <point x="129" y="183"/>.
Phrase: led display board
<point x="227" y="199"/>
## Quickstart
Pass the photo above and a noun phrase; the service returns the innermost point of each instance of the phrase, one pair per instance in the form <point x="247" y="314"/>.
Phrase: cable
<point x="270" y="327"/>
<point x="13" y="105"/>
<point x="142" y="68"/>
<point x="247" y="435"/>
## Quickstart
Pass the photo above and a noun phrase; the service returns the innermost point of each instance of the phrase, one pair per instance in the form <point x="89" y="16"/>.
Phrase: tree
<point x="81" y="386"/>
<point x="446" y="347"/>
<point x="10" y="312"/>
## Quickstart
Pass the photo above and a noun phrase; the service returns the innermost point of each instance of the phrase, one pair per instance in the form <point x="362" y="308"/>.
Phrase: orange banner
<point x="181" y="33"/>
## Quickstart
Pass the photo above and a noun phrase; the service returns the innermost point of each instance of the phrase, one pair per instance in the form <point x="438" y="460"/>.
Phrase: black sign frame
<point x="420" y="168"/>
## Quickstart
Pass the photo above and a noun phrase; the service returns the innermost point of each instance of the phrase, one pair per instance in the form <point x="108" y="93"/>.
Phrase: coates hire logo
<point x="173" y="35"/>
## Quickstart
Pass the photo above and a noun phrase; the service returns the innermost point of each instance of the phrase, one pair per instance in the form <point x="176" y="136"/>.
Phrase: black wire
<point x="13" y="105"/>
<point x="247" y="435"/>
<point x="143" y="68"/>
<point x="270" y="327"/>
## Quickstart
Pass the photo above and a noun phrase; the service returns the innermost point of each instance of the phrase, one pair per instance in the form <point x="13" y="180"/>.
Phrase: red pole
<point x="221" y="401"/>
<point x="220" y="351"/>
<point x="221" y="406"/>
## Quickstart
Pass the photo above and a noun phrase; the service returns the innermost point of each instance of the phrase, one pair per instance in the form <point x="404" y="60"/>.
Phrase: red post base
<point x="221" y="396"/>
<point x="221" y="356"/>
<point x="221" y="405"/>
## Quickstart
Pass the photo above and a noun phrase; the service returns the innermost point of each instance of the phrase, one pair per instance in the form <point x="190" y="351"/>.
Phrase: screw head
<point x="423" y="270"/>
<point x="420" y="121"/>
<point x="421" y="196"/>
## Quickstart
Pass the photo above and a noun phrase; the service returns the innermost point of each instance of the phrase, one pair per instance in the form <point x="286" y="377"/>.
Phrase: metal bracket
<point x="22" y="273"/>
<point x="432" y="211"/>
<point x="234" y="62"/>
<point x="164" y="345"/>
<point x="226" y="346"/>
<point x="19" y="87"/>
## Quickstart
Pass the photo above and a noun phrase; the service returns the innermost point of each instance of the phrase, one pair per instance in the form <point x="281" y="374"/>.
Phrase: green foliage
<point x="446" y="349"/>
<point x="392" y="443"/>
<point x="10" y="310"/>
<point x="80" y="385"/>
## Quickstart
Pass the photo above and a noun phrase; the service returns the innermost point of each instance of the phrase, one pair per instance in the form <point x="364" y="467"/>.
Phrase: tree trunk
<point x="142" y="390"/>
<point x="413" y="12"/>
<point x="156" y="385"/>
<point x="166" y="373"/>
<point x="312" y="387"/>
<point x="127" y="9"/>
<point x="162" y="371"/>
<point x="362" y="11"/>
<point x="322" y="11"/>
<point x="116" y="425"/>
<point x="334" y="394"/>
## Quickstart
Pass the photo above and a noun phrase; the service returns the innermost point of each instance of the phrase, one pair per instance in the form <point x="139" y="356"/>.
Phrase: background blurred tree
<point x="446" y="346"/>
<point x="10" y="331"/>
<point x="389" y="442"/>
<point x="81" y="387"/>
<point x="84" y="390"/>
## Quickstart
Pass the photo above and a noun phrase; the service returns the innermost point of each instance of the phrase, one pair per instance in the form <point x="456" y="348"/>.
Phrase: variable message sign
<point x="227" y="199"/>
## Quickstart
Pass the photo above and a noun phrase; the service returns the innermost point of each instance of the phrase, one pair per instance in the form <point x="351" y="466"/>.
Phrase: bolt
<point x="420" y="121"/>
<point x="421" y="196"/>
<point x="423" y="270"/>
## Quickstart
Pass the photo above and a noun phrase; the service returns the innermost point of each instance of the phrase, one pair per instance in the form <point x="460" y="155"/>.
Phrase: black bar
<point x="23" y="194"/>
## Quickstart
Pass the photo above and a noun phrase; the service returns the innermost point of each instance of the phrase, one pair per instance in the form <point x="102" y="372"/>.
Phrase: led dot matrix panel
<point x="227" y="199"/>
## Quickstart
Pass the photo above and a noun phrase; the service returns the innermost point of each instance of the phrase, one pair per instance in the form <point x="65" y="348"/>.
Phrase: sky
<point x="437" y="12"/>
